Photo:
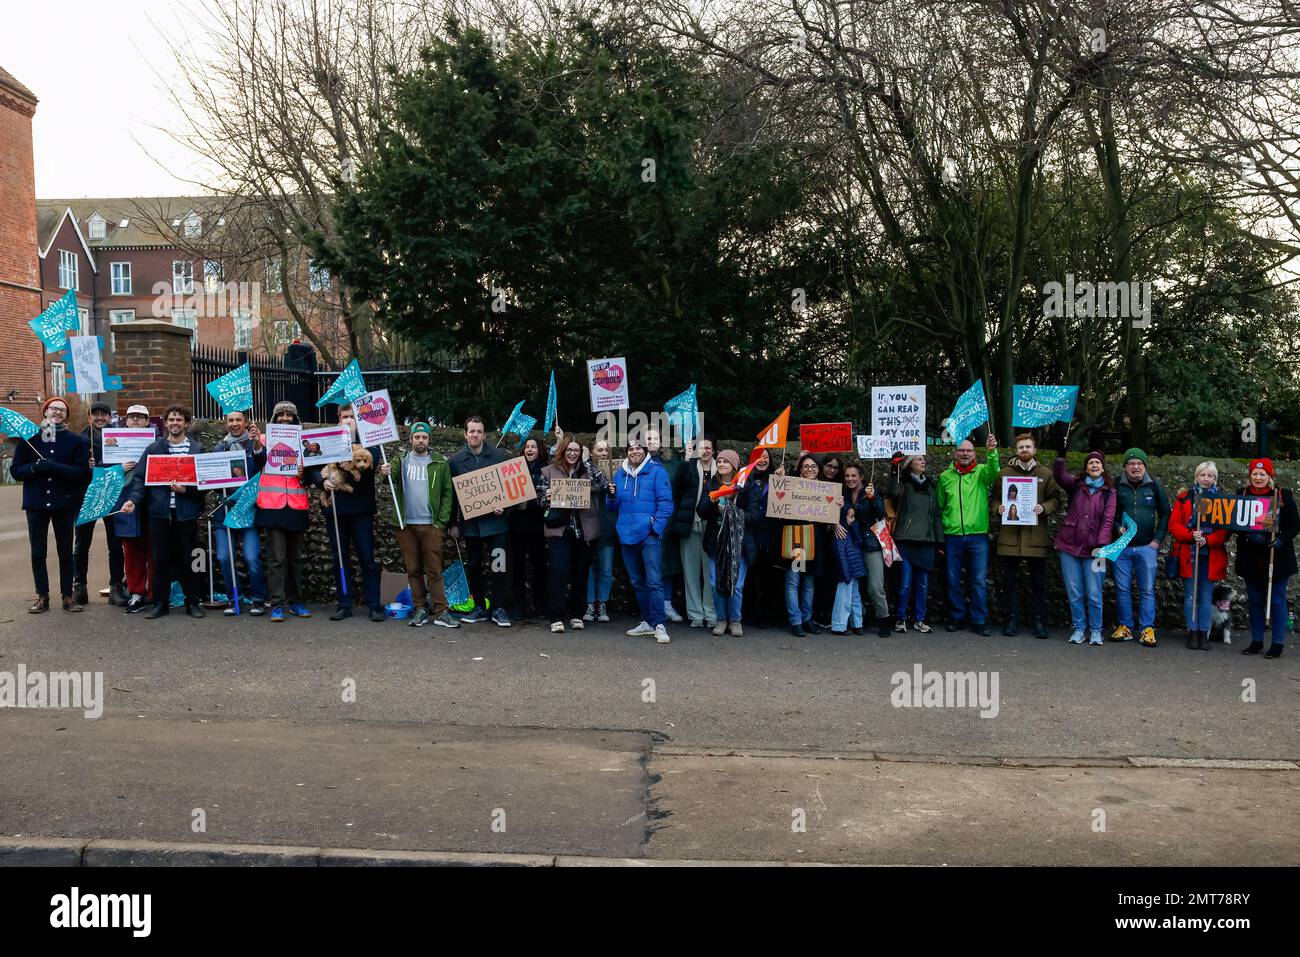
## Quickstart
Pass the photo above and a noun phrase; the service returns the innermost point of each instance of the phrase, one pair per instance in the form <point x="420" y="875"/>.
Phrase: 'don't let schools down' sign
<point x="497" y="486"/>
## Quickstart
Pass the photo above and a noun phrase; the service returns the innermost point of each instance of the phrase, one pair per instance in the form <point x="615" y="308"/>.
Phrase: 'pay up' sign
<point x="497" y="486"/>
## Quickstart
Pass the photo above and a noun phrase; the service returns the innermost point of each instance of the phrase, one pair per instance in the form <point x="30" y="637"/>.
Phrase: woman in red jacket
<point x="1202" y="557"/>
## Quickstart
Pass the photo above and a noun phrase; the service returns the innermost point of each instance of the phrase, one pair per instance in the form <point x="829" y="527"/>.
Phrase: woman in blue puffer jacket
<point x="641" y="499"/>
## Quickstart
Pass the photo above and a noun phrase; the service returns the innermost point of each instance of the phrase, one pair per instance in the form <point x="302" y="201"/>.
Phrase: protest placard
<point x="1240" y="513"/>
<point x="1019" y="496"/>
<point x="874" y="447"/>
<point x="166" y="469"/>
<point x="376" y="423"/>
<point x="220" y="469"/>
<point x="898" y="417"/>
<point x="819" y="437"/>
<point x="607" y="382"/>
<point x="330" y="444"/>
<point x="283" y="442"/>
<point x="87" y="370"/>
<point x="804" y="500"/>
<point x="570" y="493"/>
<point x="126" y="445"/>
<point x="497" y="486"/>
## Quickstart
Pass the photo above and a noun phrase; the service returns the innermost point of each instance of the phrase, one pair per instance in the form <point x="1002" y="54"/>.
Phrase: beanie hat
<point x="1100" y="457"/>
<point x="727" y="455"/>
<point x="285" y="406"/>
<point x="907" y="462"/>
<point x="1265" y="464"/>
<point x="53" y="398"/>
<point x="1135" y="453"/>
<point x="421" y="428"/>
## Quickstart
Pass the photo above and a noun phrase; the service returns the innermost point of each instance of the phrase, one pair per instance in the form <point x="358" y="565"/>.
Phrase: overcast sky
<point x="92" y="63"/>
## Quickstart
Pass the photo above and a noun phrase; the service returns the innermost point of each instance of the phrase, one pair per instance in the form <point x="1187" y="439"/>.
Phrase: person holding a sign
<point x="173" y="513"/>
<point x="242" y="436"/>
<point x="918" y="533"/>
<point x="132" y="529"/>
<point x="569" y="528"/>
<point x="424" y="497"/>
<point x="1027" y="544"/>
<point x="803" y="547"/>
<point x="54" y="467"/>
<point x="528" y="540"/>
<point x="1142" y="498"/>
<point x="1266" y="559"/>
<point x="283" y="512"/>
<point x="1089" y="521"/>
<point x="734" y="518"/>
<point x="100" y="416"/>
<point x="688" y="527"/>
<point x="600" y="577"/>
<point x="963" y="490"/>
<point x="1201" y="554"/>
<point x="642" y="504"/>
<point x="486" y="537"/>
<point x="863" y="508"/>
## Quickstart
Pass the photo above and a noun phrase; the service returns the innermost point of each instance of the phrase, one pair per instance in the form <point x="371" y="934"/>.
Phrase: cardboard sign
<point x="826" y="437"/>
<point x="898" y="417"/>
<point x="497" y="486"/>
<point x="376" y="424"/>
<point x="1019" y="496"/>
<point x="607" y="382"/>
<point x="804" y="500"/>
<point x="126" y="445"/>
<point x="570" y="493"/>
<point x="220" y="469"/>
<point x="283" y="445"/>
<point x="1240" y="513"/>
<point x="165" y="469"/>
<point x="331" y="444"/>
<point x="874" y="447"/>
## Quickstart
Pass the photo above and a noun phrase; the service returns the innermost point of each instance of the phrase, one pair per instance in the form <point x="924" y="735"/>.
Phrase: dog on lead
<point x="1221" y="611"/>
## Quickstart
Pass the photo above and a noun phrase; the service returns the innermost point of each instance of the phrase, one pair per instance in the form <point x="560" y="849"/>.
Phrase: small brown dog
<point x="341" y="472"/>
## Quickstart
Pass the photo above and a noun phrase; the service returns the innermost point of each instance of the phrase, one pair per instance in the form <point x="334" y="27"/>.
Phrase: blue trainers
<point x="277" y="613"/>
<point x="1077" y="637"/>
<point x="299" y="610"/>
<point x="474" y="617"/>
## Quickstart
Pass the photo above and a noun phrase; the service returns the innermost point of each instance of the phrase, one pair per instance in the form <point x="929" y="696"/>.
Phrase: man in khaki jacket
<point x="1031" y="544"/>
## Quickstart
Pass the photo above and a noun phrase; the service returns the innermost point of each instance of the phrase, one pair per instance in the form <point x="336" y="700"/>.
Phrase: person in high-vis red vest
<point x="284" y="511"/>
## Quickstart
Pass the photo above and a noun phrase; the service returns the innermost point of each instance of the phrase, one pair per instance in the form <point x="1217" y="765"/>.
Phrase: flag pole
<point x="338" y="545"/>
<point x="1196" y="559"/>
<point x="1268" y="600"/>
<point x="230" y="544"/>
<point x="384" y="455"/>
<point x="212" y="586"/>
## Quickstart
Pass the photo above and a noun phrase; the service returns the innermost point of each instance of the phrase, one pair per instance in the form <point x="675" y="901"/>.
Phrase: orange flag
<point x="773" y="437"/>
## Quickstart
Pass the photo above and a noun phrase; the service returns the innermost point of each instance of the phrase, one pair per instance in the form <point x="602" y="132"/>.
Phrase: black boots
<point x="1040" y="629"/>
<point x="1254" y="648"/>
<point x="1012" y="626"/>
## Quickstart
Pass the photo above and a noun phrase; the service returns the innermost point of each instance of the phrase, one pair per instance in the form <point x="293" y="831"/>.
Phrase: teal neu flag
<point x="1038" y="405"/>
<point x="53" y="325"/>
<point x="683" y="412"/>
<point x="1111" y="551"/>
<point x="241" y="505"/>
<point x="518" y="423"/>
<point x="970" y="412"/>
<point x="349" y="386"/>
<point x="234" y="390"/>
<point x="102" y="494"/>
<point x="551" y="403"/>
<point x="455" y="584"/>
<point x="11" y="423"/>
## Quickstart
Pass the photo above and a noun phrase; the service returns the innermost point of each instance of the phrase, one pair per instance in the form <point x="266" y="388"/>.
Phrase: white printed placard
<point x="283" y="448"/>
<point x="607" y="383"/>
<point x="126" y="445"/>
<point x="898" y="417"/>
<point x="1019" y="496"/>
<point x="330" y="444"/>
<point x="874" y="447"/>
<point x="376" y="424"/>
<point x="221" y="469"/>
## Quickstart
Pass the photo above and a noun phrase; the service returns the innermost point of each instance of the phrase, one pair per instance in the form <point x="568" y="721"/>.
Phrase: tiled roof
<point x="149" y="218"/>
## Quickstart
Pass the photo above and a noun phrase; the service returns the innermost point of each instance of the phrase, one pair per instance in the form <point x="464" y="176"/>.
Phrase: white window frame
<point x="83" y="320"/>
<point x="192" y="226"/>
<point x="189" y="318"/>
<point x="318" y="278"/>
<point x="274" y="276"/>
<point x="96" y="227"/>
<point x="244" y="326"/>
<point x="121" y="315"/>
<point x="183" y="276"/>
<point x="121" y="278"/>
<point x="69" y="270"/>
<point x="214" y="274"/>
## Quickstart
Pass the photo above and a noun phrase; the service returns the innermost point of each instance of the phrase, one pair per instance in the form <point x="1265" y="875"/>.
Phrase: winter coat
<point x="440" y="495"/>
<point x="964" y="499"/>
<point x="589" y="517"/>
<point x="1182" y="522"/>
<point x="868" y="512"/>
<point x="1253" y="547"/>
<point x="686" y="495"/>
<point x="642" y="503"/>
<point x="752" y="504"/>
<point x="57" y="482"/>
<point x="917" y="508"/>
<point x="157" y="498"/>
<point x="277" y="496"/>
<point x="1147" y="504"/>
<point x="1029" y="541"/>
<point x="254" y="462"/>
<point x="464" y="461"/>
<point x="1089" y="516"/>
<point x="526" y="518"/>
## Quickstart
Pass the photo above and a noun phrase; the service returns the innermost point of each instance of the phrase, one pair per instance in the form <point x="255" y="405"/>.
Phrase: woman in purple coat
<point x="1089" y="517"/>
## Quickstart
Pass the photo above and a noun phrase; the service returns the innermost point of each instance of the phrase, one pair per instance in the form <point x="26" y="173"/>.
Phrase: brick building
<point x="24" y="370"/>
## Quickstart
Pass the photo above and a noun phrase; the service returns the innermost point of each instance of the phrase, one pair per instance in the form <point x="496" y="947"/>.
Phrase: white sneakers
<point x="1077" y="637"/>
<point x="671" y="613"/>
<point x="640" y="630"/>
<point x="661" y="635"/>
<point x="557" y="627"/>
<point x="576" y="624"/>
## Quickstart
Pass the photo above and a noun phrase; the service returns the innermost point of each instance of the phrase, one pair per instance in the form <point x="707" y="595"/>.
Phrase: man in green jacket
<point x="424" y="496"/>
<point x="963" y="491"/>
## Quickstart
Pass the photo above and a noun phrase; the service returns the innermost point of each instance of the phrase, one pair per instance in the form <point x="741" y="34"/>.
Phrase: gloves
<point x="41" y="466"/>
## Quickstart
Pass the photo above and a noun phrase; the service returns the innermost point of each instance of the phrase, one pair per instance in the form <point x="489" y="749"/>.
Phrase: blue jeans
<point x="913" y="577"/>
<point x="600" y="577"/>
<point x="251" y="546"/>
<point x="642" y="564"/>
<point x="727" y="608"/>
<point x="356" y="531"/>
<point x="968" y="553"/>
<point x="1136" y="561"/>
<point x="798" y="596"/>
<point x="1198" y="618"/>
<point x="1083" y="587"/>
<point x="1256" y="593"/>
<point x="848" y="604"/>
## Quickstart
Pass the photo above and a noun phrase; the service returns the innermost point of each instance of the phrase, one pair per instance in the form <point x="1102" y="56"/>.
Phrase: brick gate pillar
<point x="153" y="358"/>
